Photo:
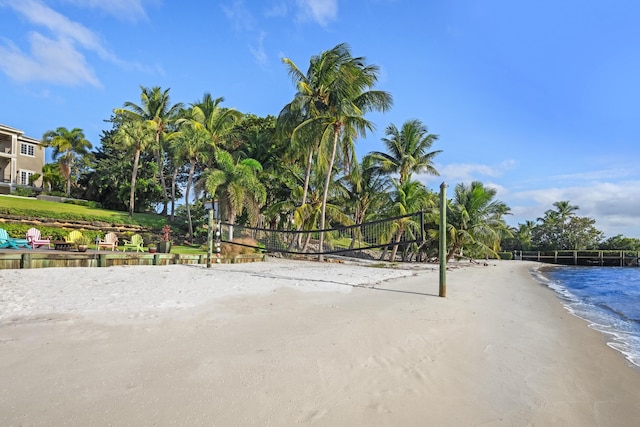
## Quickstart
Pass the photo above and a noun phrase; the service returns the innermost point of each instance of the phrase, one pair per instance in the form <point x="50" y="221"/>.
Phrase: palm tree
<point x="307" y="216"/>
<point x="218" y="122"/>
<point x="191" y="144"/>
<point x="565" y="209"/>
<point x="408" y="150"/>
<point x="476" y="219"/>
<point x="349" y="99"/>
<point x="365" y="189"/>
<point x="551" y="231"/>
<point x="51" y="176"/>
<point x="297" y="120"/>
<point x="334" y="104"/>
<point x="565" y="212"/>
<point x="236" y="184"/>
<point x="176" y="164"/>
<point x="523" y="234"/>
<point x="68" y="147"/>
<point x="205" y="126"/>
<point x="155" y="108"/>
<point x="135" y="135"/>
<point x="407" y="197"/>
<point x="260" y="142"/>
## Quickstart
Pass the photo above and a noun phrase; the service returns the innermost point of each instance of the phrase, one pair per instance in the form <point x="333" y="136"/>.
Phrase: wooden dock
<point x="585" y="258"/>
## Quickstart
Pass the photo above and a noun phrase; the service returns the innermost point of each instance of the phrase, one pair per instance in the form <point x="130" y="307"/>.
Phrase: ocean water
<point x="606" y="297"/>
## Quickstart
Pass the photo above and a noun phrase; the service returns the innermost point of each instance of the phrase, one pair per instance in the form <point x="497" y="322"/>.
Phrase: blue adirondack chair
<point x="10" y="242"/>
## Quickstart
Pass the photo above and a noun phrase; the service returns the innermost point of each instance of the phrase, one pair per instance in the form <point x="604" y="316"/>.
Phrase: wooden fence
<point x="26" y="259"/>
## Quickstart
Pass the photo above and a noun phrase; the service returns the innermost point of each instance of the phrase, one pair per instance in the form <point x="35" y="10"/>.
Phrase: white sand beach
<point x="284" y="342"/>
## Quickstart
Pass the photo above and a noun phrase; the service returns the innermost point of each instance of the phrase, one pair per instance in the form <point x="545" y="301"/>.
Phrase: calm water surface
<point x="607" y="297"/>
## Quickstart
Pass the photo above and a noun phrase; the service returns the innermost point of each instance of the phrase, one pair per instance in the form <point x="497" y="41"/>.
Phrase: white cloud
<point x="257" y="50"/>
<point x="454" y="173"/>
<point x="239" y="15"/>
<point x="40" y="14"/>
<point x="602" y="174"/>
<point x="57" y="58"/>
<point x="320" y="11"/>
<point x="55" y="61"/>
<point x="614" y="206"/>
<point x="277" y="9"/>
<point x="126" y="10"/>
<point x="500" y="189"/>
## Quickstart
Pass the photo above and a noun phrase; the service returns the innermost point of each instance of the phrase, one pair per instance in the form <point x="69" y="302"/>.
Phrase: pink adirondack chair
<point x="36" y="240"/>
<point x="110" y="241"/>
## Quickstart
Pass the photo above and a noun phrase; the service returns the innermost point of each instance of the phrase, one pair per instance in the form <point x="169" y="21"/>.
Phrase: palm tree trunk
<point x="307" y="177"/>
<point x="163" y="183"/>
<point x="306" y="242"/>
<point x="65" y="170"/>
<point x="451" y="252"/>
<point x="395" y="247"/>
<point x="134" y="176"/>
<point x="192" y="168"/>
<point x="305" y="190"/>
<point x="325" y="193"/>
<point x="174" y="178"/>
<point x="232" y="215"/>
<point x="357" y="234"/>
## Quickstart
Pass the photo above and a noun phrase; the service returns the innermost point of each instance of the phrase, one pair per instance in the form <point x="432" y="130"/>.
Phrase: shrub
<point x="83" y="240"/>
<point x="230" y="250"/>
<point x="23" y="192"/>
<point x="85" y="203"/>
<point x="166" y="233"/>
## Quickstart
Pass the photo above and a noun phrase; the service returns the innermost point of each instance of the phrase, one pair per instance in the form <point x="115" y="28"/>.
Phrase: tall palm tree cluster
<point x="296" y="171"/>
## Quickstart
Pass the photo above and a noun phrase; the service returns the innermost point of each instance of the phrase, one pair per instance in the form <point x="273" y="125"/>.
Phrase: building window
<point x="27" y="149"/>
<point x="24" y="177"/>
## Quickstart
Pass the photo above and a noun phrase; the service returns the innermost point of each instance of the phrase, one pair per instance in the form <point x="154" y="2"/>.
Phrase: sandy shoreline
<point x="302" y="343"/>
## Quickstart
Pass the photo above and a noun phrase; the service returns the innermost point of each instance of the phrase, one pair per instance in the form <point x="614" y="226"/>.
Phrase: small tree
<point x="562" y="229"/>
<point x="68" y="147"/>
<point x="134" y="135"/>
<point x="620" y="242"/>
<point x="475" y="220"/>
<point x="236" y="185"/>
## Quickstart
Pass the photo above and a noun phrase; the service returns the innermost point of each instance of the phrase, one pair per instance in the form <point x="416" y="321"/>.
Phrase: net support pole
<point x="443" y="240"/>
<point x="210" y="236"/>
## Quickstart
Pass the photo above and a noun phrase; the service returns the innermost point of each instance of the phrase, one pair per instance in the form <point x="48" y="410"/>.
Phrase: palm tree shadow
<point x="306" y="279"/>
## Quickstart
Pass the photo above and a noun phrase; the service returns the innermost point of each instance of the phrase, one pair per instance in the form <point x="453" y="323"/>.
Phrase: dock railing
<point x="602" y="258"/>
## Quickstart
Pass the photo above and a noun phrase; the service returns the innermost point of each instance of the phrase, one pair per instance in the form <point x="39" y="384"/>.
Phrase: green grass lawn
<point x="29" y="207"/>
<point x="187" y="250"/>
<point x="34" y="208"/>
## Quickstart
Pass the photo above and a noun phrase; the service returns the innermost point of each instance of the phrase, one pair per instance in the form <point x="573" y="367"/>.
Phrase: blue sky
<point x="537" y="99"/>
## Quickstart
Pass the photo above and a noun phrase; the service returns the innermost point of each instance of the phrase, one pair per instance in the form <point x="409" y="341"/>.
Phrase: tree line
<point x="297" y="170"/>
